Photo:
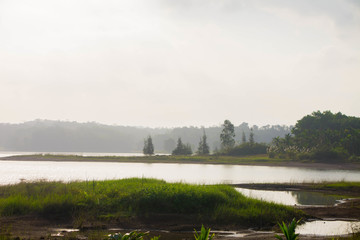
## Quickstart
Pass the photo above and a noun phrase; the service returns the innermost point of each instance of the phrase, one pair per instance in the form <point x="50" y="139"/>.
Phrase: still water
<point x="328" y="228"/>
<point x="15" y="171"/>
<point x="299" y="198"/>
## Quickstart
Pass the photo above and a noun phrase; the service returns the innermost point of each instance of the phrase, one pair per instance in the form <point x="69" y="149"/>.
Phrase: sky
<point x="166" y="63"/>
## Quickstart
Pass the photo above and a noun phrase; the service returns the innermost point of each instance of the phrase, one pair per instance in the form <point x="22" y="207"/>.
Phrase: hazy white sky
<point x="178" y="62"/>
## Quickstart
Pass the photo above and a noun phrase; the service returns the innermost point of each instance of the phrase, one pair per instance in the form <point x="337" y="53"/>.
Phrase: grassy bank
<point x="139" y="198"/>
<point x="353" y="187"/>
<point x="255" y="160"/>
<point x="209" y="159"/>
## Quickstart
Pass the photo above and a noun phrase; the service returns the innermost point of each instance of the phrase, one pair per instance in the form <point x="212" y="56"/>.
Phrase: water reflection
<point x="328" y="228"/>
<point x="291" y="197"/>
<point x="314" y="198"/>
<point x="13" y="171"/>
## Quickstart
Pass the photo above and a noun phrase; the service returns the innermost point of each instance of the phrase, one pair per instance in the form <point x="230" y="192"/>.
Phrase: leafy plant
<point x="204" y="234"/>
<point x="289" y="230"/>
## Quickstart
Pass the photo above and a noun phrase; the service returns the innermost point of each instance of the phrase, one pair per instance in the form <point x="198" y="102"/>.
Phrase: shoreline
<point x="173" y="226"/>
<point x="211" y="160"/>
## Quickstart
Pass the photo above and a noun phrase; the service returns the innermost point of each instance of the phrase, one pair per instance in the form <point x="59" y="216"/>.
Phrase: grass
<point x="345" y="189"/>
<point x="209" y="159"/>
<point x="141" y="198"/>
<point x="345" y="186"/>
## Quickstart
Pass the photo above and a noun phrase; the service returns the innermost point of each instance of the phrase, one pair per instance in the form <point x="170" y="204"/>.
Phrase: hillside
<point x="60" y="136"/>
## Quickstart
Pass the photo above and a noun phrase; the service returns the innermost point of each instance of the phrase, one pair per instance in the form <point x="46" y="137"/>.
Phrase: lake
<point x="15" y="171"/>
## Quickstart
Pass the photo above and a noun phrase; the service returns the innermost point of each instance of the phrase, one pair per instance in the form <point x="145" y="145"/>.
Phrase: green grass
<point x="210" y="159"/>
<point x="140" y="198"/>
<point x="340" y="186"/>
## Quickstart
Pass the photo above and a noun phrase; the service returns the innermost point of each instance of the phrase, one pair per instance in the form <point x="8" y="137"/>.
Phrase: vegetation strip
<point x="256" y="160"/>
<point x="139" y="198"/>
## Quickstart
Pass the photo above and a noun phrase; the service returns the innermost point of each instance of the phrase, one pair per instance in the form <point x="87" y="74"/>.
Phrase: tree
<point x="227" y="135"/>
<point x="321" y="136"/>
<point x="243" y="137"/>
<point x="148" y="146"/>
<point x="182" y="149"/>
<point x="251" y="137"/>
<point x="203" y="148"/>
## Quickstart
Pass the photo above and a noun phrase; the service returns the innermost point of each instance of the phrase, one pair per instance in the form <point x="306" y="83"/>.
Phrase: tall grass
<point x="141" y="198"/>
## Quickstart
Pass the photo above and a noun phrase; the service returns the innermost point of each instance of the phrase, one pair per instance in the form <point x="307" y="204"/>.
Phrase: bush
<point x="329" y="155"/>
<point x="354" y="158"/>
<point x="247" y="149"/>
<point x="303" y="156"/>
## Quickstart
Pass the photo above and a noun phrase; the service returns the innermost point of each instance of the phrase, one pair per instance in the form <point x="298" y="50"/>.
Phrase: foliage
<point x="247" y="149"/>
<point x="182" y="149"/>
<point x="321" y="136"/>
<point x="251" y="137"/>
<point x="148" y="146"/>
<point x="206" y="159"/>
<point x="353" y="187"/>
<point x="204" y="234"/>
<point x="61" y="136"/>
<point x="243" y="137"/>
<point x="138" y="198"/>
<point x="227" y="135"/>
<point x="289" y="230"/>
<point x="203" y="148"/>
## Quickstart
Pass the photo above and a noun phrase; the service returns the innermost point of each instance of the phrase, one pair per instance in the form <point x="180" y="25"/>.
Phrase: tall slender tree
<point x="227" y="135"/>
<point x="243" y="137"/>
<point x="148" y="146"/>
<point x="251" y="137"/>
<point x="203" y="148"/>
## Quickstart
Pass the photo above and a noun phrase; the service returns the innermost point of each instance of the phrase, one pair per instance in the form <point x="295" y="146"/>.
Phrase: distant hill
<point x="60" y="136"/>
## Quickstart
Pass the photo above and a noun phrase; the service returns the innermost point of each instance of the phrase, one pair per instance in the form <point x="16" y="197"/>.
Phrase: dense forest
<point x="59" y="136"/>
<point x="320" y="136"/>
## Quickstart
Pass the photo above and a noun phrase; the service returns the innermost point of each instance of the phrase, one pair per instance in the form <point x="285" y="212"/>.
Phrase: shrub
<point x="247" y="149"/>
<point x="289" y="230"/>
<point x="204" y="234"/>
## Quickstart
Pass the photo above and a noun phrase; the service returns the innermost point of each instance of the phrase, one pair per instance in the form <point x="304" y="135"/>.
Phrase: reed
<point x="140" y="198"/>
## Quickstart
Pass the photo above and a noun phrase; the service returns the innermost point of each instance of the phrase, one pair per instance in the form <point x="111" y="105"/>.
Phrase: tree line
<point x="228" y="144"/>
<point x="320" y="136"/>
<point x="60" y="136"/>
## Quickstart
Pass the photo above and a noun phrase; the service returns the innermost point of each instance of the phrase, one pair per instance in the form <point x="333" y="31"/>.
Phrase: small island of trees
<point x="320" y="136"/>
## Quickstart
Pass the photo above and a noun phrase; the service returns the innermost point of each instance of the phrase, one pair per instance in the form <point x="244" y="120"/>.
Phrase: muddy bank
<point x="30" y="227"/>
<point x="170" y="227"/>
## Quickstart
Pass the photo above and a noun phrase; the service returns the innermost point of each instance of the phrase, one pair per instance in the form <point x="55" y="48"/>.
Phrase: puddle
<point x="328" y="228"/>
<point x="291" y="198"/>
<point x="230" y="234"/>
<point x="64" y="230"/>
<point x="60" y="232"/>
